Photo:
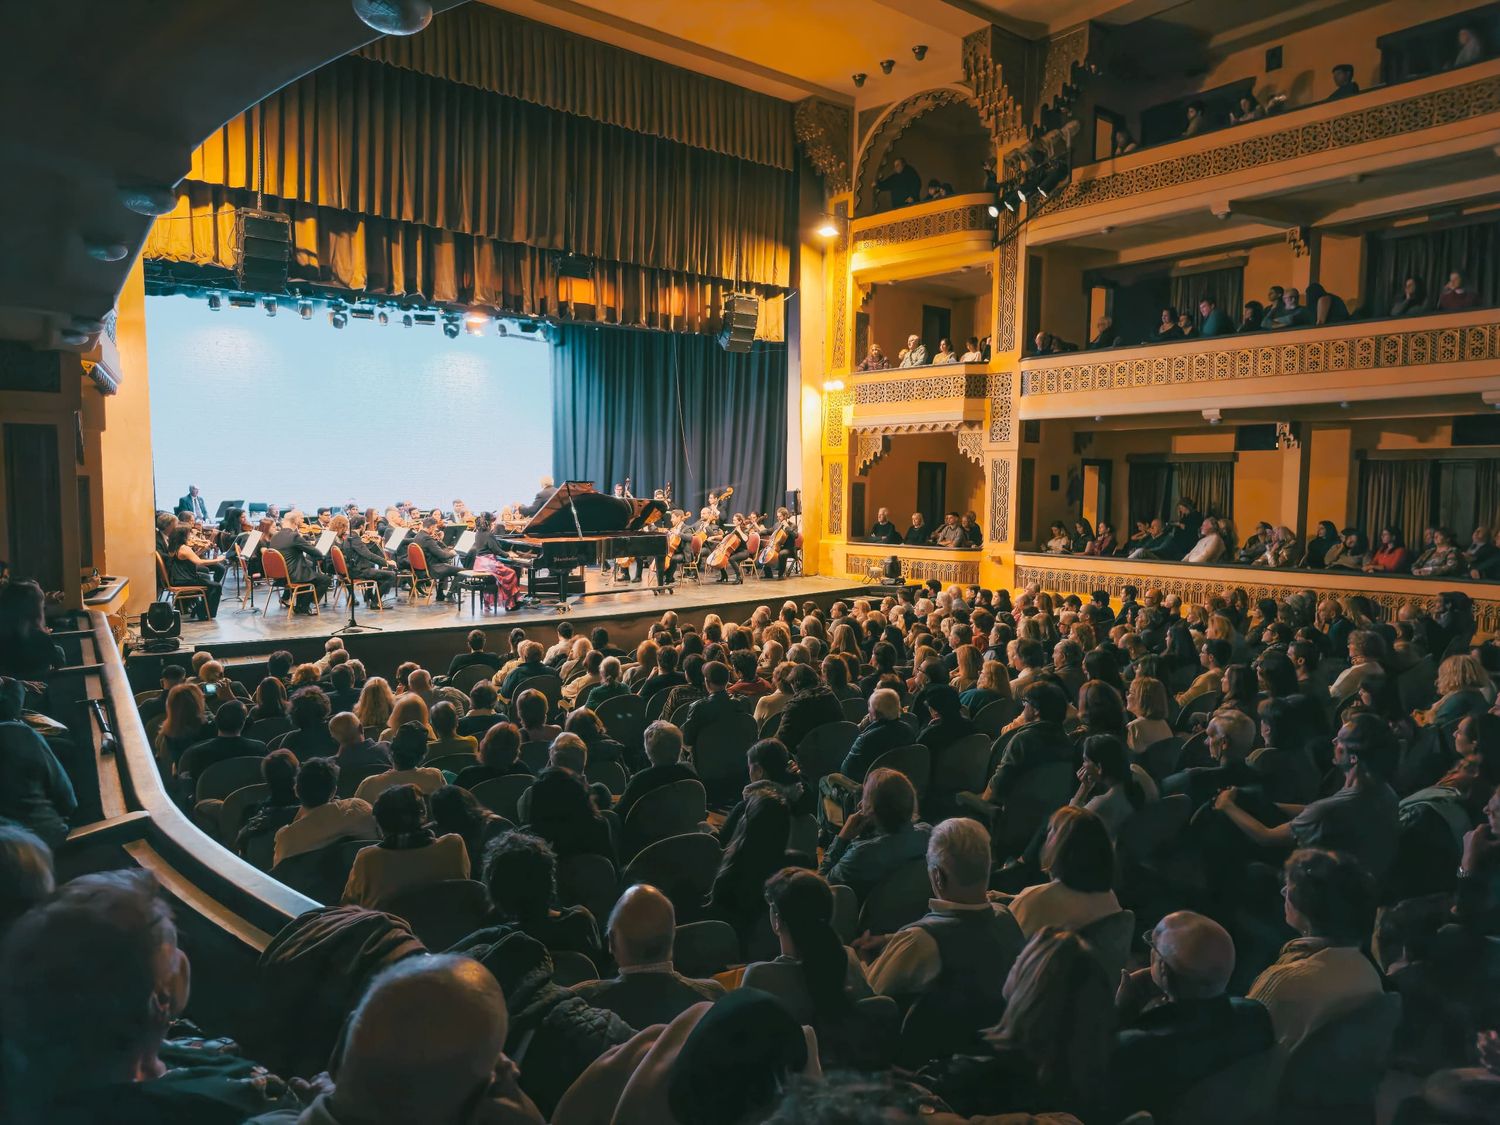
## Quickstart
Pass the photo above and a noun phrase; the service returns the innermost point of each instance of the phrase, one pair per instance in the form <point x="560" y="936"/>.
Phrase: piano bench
<point x="478" y="584"/>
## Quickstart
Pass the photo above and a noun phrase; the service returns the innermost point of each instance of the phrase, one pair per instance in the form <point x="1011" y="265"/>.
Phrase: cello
<point x="773" y="546"/>
<point x="733" y="540"/>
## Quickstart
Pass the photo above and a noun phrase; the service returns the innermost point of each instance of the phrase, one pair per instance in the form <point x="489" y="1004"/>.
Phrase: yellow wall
<point x="891" y="482"/>
<point x="128" y="485"/>
<point x="895" y="312"/>
<point x="1330" y="476"/>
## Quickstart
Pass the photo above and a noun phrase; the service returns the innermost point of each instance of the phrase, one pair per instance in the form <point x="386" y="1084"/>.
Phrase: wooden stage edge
<point x="432" y="634"/>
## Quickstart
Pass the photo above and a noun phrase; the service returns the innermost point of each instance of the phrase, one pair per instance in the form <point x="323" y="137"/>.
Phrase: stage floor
<point x="237" y="629"/>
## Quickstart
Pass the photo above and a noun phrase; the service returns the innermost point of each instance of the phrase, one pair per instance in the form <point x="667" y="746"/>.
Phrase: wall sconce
<point x="920" y="51"/>
<point x="859" y="79"/>
<point x="833" y="384"/>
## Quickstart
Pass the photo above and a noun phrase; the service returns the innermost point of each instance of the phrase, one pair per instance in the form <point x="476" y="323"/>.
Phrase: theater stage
<point x="432" y="634"/>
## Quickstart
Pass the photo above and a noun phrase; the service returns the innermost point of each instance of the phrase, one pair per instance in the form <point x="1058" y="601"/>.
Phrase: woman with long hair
<point x="1083" y="536"/>
<point x="186" y="722"/>
<point x="816" y="976"/>
<point x="755" y="851"/>
<point x="1148" y="703"/>
<point x="26" y="650"/>
<point x="376" y="702"/>
<point x="1462" y="684"/>
<point x="270" y="701"/>
<point x="992" y="686"/>
<point x="1107" y="786"/>
<point x="1104" y="543"/>
<point x="969" y="667"/>
<point x="186" y="568"/>
<point x="408" y="708"/>
<point x="1390" y="555"/>
<point x="1241" y="690"/>
<point x="1059" y="542"/>
<point x="1101" y="710"/>
<point x="1326" y="538"/>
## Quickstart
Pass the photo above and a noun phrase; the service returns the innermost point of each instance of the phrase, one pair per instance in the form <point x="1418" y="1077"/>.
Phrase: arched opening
<point x="940" y="134"/>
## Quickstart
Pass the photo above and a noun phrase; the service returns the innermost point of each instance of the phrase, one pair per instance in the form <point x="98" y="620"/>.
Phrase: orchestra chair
<point x="181" y="595"/>
<point x="694" y="551"/>
<point x="794" y="564"/>
<point x="752" y="545"/>
<point x="341" y="568"/>
<point x="423" y="587"/>
<point x="246" y="583"/>
<point x="273" y="564"/>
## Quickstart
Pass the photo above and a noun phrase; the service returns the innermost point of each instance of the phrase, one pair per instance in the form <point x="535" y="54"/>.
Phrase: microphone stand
<point x="354" y="626"/>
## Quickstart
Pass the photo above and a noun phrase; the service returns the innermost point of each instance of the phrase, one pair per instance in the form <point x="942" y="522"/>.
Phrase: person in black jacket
<point x="439" y="556"/>
<point x="364" y="560"/>
<point x="303" y="563"/>
<point x="904" y="183"/>
<point x="718" y="704"/>
<point x="883" y="530"/>
<point x="811" y="705"/>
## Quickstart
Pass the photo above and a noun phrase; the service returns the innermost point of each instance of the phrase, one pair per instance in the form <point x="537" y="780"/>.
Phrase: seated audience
<point x="408" y="748"/>
<point x="1455" y="296"/>
<point x="1412" y="300"/>
<point x="1344" y="85"/>
<point x="26" y="875"/>
<point x="757" y="850"/>
<point x="815" y="976"/>
<point x="499" y="756"/>
<point x="879" y="836"/>
<point x="520" y="876"/>
<point x="409" y="854"/>
<point x="322" y="818"/>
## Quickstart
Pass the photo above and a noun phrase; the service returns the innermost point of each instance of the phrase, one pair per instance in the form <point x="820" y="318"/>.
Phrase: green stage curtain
<point x="382" y="142"/>
<point x="659" y="407"/>
<point x="1396" y="493"/>
<point x="338" y="250"/>
<point x="505" y="54"/>
<point x="1473" y="249"/>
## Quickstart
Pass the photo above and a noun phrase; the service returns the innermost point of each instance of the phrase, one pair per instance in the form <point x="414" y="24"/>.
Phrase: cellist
<point x="780" y="546"/>
<point x="679" y="546"/>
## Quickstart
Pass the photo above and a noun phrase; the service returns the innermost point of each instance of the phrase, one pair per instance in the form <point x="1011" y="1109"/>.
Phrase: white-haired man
<point x="303" y="563"/>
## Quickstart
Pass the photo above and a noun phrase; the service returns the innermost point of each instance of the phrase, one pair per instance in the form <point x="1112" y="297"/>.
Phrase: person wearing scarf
<point x="408" y="854"/>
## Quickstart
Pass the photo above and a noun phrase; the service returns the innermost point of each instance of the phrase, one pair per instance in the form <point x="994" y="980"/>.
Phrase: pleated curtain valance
<point x="505" y="54"/>
<point x="362" y="254"/>
<point x="382" y="142"/>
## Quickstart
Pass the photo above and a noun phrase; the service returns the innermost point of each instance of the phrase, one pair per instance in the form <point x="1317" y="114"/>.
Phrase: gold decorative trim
<point x="838" y="272"/>
<point x="944" y="570"/>
<point x="836" y="498"/>
<point x="999" y="500"/>
<point x="825" y="131"/>
<point x="1010" y="280"/>
<point x="1392" y="119"/>
<point x="1195" y="590"/>
<point x="919" y="388"/>
<point x="869" y="447"/>
<point x="833" y="417"/>
<point x="974" y="217"/>
<point x="1263" y="360"/>
<point x="971" y="445"/>
<point x="1002" y="408"/>
<point x="1015" y="79"/>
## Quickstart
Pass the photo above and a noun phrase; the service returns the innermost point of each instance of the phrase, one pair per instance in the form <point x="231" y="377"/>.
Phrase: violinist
<point x="461" y="514"/>
<point x="364" y="560"/>
<point x="303" y="563"/>
<point x="780" y="546"/>
<point x="325" y="518"/>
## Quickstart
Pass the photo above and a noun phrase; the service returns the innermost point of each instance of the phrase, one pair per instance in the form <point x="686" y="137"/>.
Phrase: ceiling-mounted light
<point x="362" y="312"/>
<point x="887" y="65"/>
<point x="73" y="338"/>
<point x="476" y="317"/>
<point x="450" y="329"/>
<point x="105" y="250"/>
<point x="215" y="302"/>
<point x="242" y="300"/>
<point x="501" y="328"/>
<point x="269" y="304"/>
<point x="305" y="309"/>
<point x="406" y="320"/>
<point x="337" y="317"/>
<point x="859" y="79"/>
<point x="148" y="199"/>
<point x="382" y="318"/>
<point x="920" y="51"/>
<point x="394" y="17"/>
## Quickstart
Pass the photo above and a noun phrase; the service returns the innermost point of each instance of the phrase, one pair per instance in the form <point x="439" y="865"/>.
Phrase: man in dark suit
<point x="547" y="489"/>
<point x="438" y="554"/>
<point x="303" y="563"/>
<point x="477" y="654"/>
<point x="718" y="704"/>
<point x="647" y="991"/>
<point x="531" y="664"/>
<point x="228" y="742"/>
<point x="368" y="560"/>
<point x="193" y="502"/>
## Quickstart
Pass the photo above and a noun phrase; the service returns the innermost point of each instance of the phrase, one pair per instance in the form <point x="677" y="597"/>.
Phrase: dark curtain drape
<point x="1472" y="249"/>
<point x="1487" y="493"/>
<point x="1226" y="286"/>
<point x="1398" y="493"/>
<point x="381" y="141"/>
<point x="1209" y="484"/>
<point x="365" y="255"/>
<point x="1150" y="491"/>
<point x="659" y="407"/>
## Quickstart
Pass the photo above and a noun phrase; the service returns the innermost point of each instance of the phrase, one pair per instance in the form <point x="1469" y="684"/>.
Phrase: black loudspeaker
<point x="741" y="314"/>
<point x="1476" y="429"/>
<point x="794" y="501"/>
<point x="262" y="250"/>
<point x="161" y="626"/>
<point x="1256" y="438"/>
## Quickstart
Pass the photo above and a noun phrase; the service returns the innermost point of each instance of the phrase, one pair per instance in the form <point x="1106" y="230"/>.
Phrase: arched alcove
<point x="938" y="132"/>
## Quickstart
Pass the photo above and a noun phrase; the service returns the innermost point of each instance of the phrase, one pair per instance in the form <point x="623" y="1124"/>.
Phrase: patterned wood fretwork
<point x="1409" y="115"/>
<point x="833" y="417"/>
<point x="1257" y="583"/>
<point x="888" y="132"/>
<point x="963" y="572"/>
<point x="1009" y="284"/>
<point x="919" y="388"/>
<point x="838" y="273"/>
<point x="999" y="500"/>
<point x="825" y="130"/>
<point x="869" y="447"/>
<point x="1459" y="344"/>
<point x="1002" y="407"/>
<point x="953" y="220"/>
<point x="836" y="498"/>
<point x="1016" y="79"/>
<point x="971" y="445"/>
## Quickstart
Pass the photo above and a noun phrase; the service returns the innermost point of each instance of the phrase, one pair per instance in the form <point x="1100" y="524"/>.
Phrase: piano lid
<point x="598" y="513"/>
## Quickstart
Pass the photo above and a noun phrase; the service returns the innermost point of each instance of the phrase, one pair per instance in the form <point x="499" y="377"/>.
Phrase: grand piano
<point x="577" y="527"/>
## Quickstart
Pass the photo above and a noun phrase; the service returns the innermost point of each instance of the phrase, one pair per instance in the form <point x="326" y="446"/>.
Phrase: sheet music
<point x="324" y="542"/>
<point x="248" y="547"/>
<point x="465" y="542"/>
<point x="397" y="534"/>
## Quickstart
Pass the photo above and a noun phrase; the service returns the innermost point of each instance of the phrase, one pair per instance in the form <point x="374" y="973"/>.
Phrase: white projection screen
<point x="294" y="412"/>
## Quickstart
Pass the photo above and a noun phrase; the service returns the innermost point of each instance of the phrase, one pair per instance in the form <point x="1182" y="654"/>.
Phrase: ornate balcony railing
<point x="947" y="231"/>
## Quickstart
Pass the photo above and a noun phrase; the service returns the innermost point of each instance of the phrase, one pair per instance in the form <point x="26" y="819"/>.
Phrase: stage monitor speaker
<point x="741" y="315"/>
<point x="794" y="501"/>
<point x="262" y="250"/>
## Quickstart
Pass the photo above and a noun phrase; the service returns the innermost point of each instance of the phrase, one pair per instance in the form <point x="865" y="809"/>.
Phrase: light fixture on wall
<point x="215" y="302"/>
<point x="827" y="228"/>
<point x="919" y="51"/>
<point x="859" y="79"/>
<point x="887" y="65"/>
<point x="269" y="304"/>
<point x="833" y="384"/>
<point x="305" y="309"/>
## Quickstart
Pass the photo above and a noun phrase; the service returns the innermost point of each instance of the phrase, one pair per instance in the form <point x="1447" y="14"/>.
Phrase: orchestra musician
<point x="733" y="549"/>
<point x="461" y="514"/>
<point x="303" y="563"/>
<point x="543" y="494"/>
<point x="364" y="560"/>
<point x="780" y="547"/>
<point x="186" y="568"/>
<point x="325" y="518"/>
<point x="679" y="546"/>
<point x="193" y="503"/>
<point x="440" y="557"/>
<point x="485" y="558"/>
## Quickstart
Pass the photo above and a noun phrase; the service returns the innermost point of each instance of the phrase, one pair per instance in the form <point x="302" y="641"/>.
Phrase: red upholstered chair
<point x="695" y="548"/>
<point x="181" y="595"/>
<point x="422" y="585"/>
<point x="341" y="568"/>
<point x="752" y="545"/>
<point x="273" y="566"/>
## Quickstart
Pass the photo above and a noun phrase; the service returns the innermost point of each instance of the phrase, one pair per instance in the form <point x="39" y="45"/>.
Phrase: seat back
<point x="672" y="810"/>
<point x="1110" y="936"/>
<point x="441" y="913"/>
<point x="1153" y="825"/>
<point x="701" y="949"/>
<point x="1339" y="1065"/>
<point x="654" y="705"/>
<point x="961" y="767"/>
<point x="855" y="709"/>
<point x="1417" y="686"/>
<point x="802" y="837"/>
<point x="610" y="774"/>
<point x="236" y="810"/>
<point x="416" y="560"/>
<point x="570" y="968"/>
<point x="469" y="675"/>
<point x="1240" y="1094"/>
<point x="534" y="756"/>
<point x="589" y="881"/>
<point x="350" y="778"/>
<point x="937" y="1027"/>
<point x="503" y="794"/>
<point x="263" y="730"/>
<point x="719" y="757"/>
<point x="336" y="557"/>
<point x="1039" y="793"/>
<point x="898" y="899"/>
<point x="993" y="716"/>
<point x="772" y="724"/>
<point x="915" y="761"/>
<point x="549" y="685"/>
<point x="223" y="778"/>
<point x="823" y="749"/>
<point x="273" y="565"/>
<point x="1205" y="704"/>
<point x="624" y="718"/>
<point x="321" y="874"/>
<point x="845" y="913"/>
<point x="682" y="866"/>
<point x="1161" y="758"/>
<point x="451" y="762"/>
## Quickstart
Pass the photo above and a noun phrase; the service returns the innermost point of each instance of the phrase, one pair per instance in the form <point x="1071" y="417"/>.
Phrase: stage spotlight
<point x="920" y="51"/>
<point x="395" y="17"/>
<point x="828" y="228"/>
<point x="1052" y="179"/>
<point x="859" y="79"/>
<point x="383" y="318"/>
<point x="241" y="301"/>
<point x="994" y="210"/>
<point x="406" y="320"/>
<point x="305" y="309"/>
<point x="338" y="317"/>
<point x="502" y="328"/>
<point x="269" y="304"/>
<point x="887" y="65"/>
<point x="215" y="302"/>
<point x="1011" y="200"/>
<point x="362" y="312"/>
<point x="476" y="318"/>
<point x="450" y="329"/>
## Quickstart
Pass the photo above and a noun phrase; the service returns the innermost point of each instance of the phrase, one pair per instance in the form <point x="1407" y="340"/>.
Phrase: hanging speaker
<point x="262" y="250"/>
<point x="741" y="315"/>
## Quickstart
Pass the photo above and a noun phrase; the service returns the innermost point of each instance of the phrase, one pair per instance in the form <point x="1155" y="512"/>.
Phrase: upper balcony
<point x="1450" y="361"/>
<point x="1410" y="146"/>
<point x="923" y="239"/>
<point x="937" y="397"/>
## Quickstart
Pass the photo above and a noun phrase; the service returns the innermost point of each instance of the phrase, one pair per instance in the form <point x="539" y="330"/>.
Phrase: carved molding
<point x="999" y="500"/>
<point x="1016" y="80"/>
<point x="1418" y="347"/>
<point x="1009" y="290"/>
<point x="961" y="571"/>
<point x="1287" y="436"/>
<point x="838" y="273"/>
<point x="836" y="498"/>
<point x="971" y="444"/>
<point x="825" y="131"/>
<point x="971" y="218"/>
<point x="1396" y="118"/>
<point x="1002" y="408"/>
<point x="919" y="388"/>
<point x="833" y="417"/>
<point x="1300" y="240"/>
<point x="1257" y="583"/>
<point x="893" y="126"/>
<point x="869" y="447"/>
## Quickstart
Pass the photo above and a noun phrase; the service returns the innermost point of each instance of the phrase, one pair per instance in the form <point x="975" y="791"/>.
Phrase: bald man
<point x="648" y="990"/>
<point x="425" y="1044"/>
<point x="355" y="750"/>
<point x="1177" y="1025"/>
